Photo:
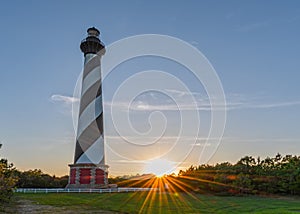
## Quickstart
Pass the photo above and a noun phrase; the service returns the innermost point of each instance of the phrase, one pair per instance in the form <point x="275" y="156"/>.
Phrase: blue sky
<point x="253" y="46"/>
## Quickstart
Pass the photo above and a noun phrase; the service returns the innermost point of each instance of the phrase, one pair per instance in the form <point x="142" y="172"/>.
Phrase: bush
<point x="7" y="180"/>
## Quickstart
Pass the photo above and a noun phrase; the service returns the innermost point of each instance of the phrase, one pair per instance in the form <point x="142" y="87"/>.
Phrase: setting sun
<point x="159" y="167"/>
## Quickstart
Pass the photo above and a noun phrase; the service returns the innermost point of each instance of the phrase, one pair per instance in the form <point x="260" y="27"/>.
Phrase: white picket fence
<point x="62" y="190"/>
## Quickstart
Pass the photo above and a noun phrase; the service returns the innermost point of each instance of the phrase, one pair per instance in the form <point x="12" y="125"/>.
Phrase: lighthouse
<point x="89" y="169"/>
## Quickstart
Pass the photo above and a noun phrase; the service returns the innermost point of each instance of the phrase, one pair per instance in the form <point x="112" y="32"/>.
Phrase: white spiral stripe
<point x="90" y="79"/>
<point x="88" y="57"/>
<point x="90" y="113"/>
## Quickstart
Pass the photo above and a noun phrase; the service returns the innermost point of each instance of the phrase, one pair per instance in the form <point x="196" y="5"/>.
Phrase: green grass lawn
<point x="164" y="203"/>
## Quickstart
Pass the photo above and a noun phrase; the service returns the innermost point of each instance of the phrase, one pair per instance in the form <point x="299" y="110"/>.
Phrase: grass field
<point x="156" y="203"/>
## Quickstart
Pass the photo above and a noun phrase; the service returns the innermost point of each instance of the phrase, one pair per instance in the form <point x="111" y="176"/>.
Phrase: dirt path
<point x="25" y="206"/>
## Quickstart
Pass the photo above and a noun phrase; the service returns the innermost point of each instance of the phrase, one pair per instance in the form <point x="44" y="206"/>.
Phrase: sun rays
<point x="166" y="190"/>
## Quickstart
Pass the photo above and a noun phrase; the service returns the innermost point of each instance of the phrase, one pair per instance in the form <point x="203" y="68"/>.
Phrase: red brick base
<point x="88" y="176"/>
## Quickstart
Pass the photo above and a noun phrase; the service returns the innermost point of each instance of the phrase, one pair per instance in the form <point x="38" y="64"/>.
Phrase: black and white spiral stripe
<point x="90" y="138"/>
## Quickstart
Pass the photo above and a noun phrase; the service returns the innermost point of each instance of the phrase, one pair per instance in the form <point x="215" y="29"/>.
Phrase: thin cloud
<point x="182" y="101"/>
<point x="267" y="140"/>
<point x="64" y="99"/>
<point x="184" y="93"/>
<point x="194" y="43"/>
<point x="163" y="139"/>
<point x="201" y="144"/>
<point x="200" y="106"/>
<point x="275" y="105"/>
<point x="130" y="161"/>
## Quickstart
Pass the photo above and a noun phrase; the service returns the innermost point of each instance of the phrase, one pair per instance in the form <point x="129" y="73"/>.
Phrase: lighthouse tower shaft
<point x="89" y="169"/>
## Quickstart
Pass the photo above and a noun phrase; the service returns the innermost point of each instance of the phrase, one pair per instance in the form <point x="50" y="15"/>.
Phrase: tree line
<point x="276" y="175"/>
